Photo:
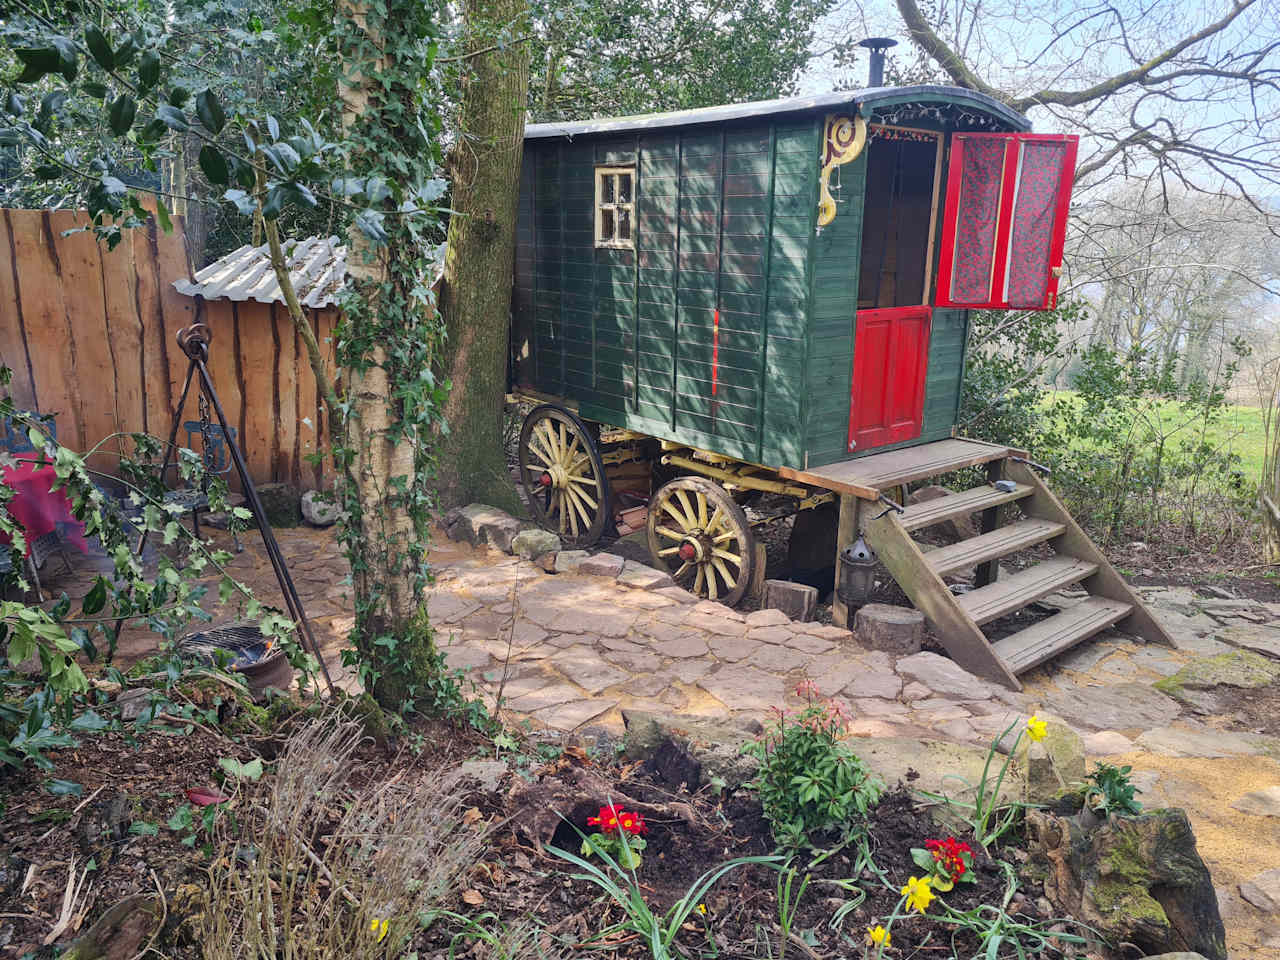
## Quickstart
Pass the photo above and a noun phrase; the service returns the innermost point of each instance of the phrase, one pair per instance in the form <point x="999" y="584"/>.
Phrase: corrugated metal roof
<point x="922" y="93"/>
<point x="317" y="266"/>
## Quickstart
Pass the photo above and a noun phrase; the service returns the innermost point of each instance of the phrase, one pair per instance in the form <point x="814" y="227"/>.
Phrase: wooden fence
<point x="89" y="336"/>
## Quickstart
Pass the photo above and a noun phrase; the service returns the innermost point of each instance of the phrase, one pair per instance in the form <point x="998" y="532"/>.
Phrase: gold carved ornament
<point x="842" y="140"/>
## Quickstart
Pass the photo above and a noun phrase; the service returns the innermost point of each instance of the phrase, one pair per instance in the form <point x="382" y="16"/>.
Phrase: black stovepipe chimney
<point x="877" y="46"/>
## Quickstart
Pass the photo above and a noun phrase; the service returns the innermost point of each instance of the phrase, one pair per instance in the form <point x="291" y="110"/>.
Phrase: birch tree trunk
<point x="476" y="295"/>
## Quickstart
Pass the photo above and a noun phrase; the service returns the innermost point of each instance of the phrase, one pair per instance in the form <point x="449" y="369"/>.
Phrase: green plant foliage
<point x="810" y="782"/>
<point x="1110" y="792"/>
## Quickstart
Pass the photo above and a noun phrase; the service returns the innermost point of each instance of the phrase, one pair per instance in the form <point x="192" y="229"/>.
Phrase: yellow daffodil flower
<point x="1036" y="728"/>
<point x="379" y="927"/>
<point x="878" y="936"/>
<point x="702" y="909"/>
<point x="918" y="893"/>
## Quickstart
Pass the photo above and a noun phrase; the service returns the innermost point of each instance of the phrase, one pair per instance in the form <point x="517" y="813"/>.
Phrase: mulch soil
<point x="123" y="828"/>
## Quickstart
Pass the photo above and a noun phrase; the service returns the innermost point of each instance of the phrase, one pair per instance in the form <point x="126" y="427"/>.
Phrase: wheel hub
<point x="545" y="479"/>
<point x="688" y="552"/>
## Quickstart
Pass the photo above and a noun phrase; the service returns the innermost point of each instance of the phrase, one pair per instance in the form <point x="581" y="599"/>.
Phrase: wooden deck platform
<point x="868" y="476"/>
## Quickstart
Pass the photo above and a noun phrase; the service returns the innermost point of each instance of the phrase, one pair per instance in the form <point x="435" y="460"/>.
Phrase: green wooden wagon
<point x="773" y="299"/>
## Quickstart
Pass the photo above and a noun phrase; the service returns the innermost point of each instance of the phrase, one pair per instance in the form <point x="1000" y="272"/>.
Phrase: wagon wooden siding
<point x="89" y="336"/>
<point x="699" y="335"/>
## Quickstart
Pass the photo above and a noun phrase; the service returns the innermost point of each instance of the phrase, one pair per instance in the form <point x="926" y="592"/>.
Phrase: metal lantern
<point x="857" y="574"/>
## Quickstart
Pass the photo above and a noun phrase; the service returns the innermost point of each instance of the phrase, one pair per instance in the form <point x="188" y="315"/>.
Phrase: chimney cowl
<point x="877" y="46"/>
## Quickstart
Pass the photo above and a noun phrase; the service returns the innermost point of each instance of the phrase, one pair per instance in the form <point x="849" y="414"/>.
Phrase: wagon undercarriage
<point x="576" y="473"/>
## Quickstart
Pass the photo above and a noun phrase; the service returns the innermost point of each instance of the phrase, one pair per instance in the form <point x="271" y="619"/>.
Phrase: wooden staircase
<point x="1040" y="519"/>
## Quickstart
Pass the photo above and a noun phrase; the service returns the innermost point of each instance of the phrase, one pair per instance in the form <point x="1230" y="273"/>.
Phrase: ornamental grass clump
<point x="810" y="783"/>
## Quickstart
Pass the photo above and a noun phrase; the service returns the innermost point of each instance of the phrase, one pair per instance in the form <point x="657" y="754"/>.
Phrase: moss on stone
<point x="1236" y="668"/>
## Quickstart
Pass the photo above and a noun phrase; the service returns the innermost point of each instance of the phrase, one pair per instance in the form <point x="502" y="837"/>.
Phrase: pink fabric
<point x="1033" y="218"/>
<point x="39" y="509"/>
<point x="981" y="176"/>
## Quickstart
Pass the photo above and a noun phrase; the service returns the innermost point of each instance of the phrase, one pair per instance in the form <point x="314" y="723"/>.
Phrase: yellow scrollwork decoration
<point x="843" y="139"/>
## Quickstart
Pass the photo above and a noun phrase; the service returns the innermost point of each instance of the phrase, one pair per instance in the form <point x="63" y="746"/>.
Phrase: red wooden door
<point x="890" y="354"/>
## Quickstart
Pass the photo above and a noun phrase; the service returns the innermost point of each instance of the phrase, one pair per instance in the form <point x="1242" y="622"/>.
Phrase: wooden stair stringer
<point x="957" y="632"/>
<point x="1074" y="542"/>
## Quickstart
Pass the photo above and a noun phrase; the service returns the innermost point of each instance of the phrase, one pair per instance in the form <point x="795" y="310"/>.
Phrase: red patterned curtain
<point x="1033" y="217"/>
<point x="976" y="220"/>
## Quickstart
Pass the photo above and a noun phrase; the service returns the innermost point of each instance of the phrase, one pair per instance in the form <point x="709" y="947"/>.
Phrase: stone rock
<point x="643" y="577"/>
<point x="569" y="561"/>
<point x="1054" y="764"/>
<point x="933" y="766"/>
<point x="959" y="528"/>
<point x="872" y="682"/>
<point x="1263" y="891"/>
<point x="478" y="523"/>
<point x="896" y="630"/>
<point x="743" y="687"/>
<point x="767" y="618"/>
<point x="487" y="773"/>
<point x="133" y="702"/>
<point x="944" y="677"/>
<point x="1238" y="668"/>
<point x="1179" y="955"/>
<point x="1137" y="880"/>
<point x="1121" y="706"/>
<point x="533" y="543"/>
<point x="602" y="565"/>
<point x="281" y="504"/>
<point x="692" y="752"/>
<point x="319" y="509"/>
<point x="1178" y="742"/>
<point x="1251" y="636"/>
<point x="1106" y="743"/>
<point x="547" y="562"/>
<point x="797" y="600"/>
<point x="1260" y="803"/>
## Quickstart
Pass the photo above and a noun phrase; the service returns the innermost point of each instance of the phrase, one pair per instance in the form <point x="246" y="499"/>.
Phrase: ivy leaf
<point x="99" y="47"/>
<point x="148" y="71"/>
<point x="121" y="114"/>
<point x="173" y="118"/>
<point x="213" y="164"/>
<point x="244" y="203"/>
<point x="143" y="829"/>
<point x="370" y="223"/>
<point x="210" y="111"/>
<point x="65" y="788"/>
<point x="242" y="771"/>
<point x="96" y="598"/>
<point x="162" y="215"/>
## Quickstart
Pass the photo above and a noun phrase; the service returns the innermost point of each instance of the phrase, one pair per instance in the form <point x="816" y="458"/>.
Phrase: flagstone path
<point x="569" y="651"/>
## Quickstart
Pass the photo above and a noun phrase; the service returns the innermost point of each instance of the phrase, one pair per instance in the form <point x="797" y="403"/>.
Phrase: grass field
<point x="1240" y="431"/>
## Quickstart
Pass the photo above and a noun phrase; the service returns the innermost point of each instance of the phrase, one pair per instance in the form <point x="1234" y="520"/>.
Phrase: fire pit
<point x="258" y="659"/>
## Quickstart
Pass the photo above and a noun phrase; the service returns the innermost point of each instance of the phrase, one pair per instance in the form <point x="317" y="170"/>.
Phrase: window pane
<point x="606" y="224"/>
<point x="976" y="220"/>
<point x="1033" y="216"/>
<point x="624" y="188"/>
<point x="624" y="223"/>
<point x="607" y="188"/>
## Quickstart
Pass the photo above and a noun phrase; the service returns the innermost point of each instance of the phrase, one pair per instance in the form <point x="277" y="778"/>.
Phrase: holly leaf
<point x="173" y="118"/>
<point x="179" y="96"/>
<point x="210" y="111"/>
<point x="121" y="114"/>
<point x="96" y="598"/>
<point x="125" y="52"/>
<point x="148" y="70"/>
<point x="244" y="203"/>
<point x="99" y="48"/>
<point x="213" y="164"/>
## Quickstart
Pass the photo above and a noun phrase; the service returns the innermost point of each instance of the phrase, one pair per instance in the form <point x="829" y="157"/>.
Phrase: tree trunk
<point x="476" y="296"/>
<point x="386" y="536"/>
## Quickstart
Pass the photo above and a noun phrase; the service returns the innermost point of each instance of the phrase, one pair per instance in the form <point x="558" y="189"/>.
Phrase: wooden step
<point x="1048" y="638"/>
<point x="990" y="546"/>
<point x="921" y="515"/>
<point x="1015" y="592"/>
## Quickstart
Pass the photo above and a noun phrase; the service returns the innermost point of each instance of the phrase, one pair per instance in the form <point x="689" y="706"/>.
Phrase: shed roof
<point x="317" y="266"/>
<point x="870" y="97"/>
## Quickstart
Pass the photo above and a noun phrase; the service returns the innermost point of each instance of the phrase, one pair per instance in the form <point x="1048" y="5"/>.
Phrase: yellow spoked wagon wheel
<point x="563" y="476"/>
<point x="702" y="538"/>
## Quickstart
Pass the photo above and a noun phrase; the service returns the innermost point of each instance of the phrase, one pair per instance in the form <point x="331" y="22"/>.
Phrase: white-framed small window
<point x="615" y="207"/>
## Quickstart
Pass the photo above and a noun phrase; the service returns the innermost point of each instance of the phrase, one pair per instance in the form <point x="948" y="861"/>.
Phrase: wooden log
<point x="40" y="286"/>
<point x="883" y="626"/>
<point x="13" y="327"/>
<point x="120" y="933"/>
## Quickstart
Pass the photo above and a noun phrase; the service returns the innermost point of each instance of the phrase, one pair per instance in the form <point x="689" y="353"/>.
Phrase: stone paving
<point x="570" y="650"/>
